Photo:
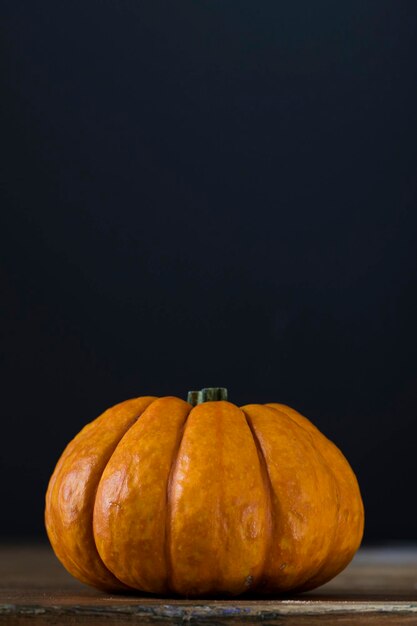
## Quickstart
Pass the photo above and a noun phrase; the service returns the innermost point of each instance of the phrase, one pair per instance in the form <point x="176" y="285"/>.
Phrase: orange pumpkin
<point x="162" y="496"/>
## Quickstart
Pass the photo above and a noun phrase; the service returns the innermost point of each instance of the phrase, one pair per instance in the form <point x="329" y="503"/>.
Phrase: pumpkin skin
<point x="159" y="496"/>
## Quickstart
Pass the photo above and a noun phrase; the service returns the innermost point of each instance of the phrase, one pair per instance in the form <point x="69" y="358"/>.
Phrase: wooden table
<point x="379" y="587"/>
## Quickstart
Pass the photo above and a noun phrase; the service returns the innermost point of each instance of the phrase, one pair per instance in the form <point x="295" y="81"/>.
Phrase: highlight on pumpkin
<point x="203" y="497"/>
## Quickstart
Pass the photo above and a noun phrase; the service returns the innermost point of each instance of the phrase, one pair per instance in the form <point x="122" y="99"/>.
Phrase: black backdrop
<point x="210" y="193"/>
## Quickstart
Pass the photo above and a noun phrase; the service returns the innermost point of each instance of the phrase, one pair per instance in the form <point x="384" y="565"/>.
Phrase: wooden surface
<point x="379" y="587"/>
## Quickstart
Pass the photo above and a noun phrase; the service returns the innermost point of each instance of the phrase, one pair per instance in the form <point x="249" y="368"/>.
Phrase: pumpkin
<point x="202" y="497"/>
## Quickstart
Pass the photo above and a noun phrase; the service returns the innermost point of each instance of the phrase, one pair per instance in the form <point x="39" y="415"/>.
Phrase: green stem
<point x="208" y="394"/>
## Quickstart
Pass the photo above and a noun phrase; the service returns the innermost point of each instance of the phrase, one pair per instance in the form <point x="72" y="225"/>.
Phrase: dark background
<point x="210" y="193"/>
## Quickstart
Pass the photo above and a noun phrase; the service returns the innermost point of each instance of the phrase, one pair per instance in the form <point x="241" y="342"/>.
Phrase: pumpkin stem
<point x="194" y="397"/>
<point x="208" y="394"/>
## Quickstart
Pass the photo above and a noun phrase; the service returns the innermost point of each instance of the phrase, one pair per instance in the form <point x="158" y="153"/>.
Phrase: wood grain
<point x="379" y="587"/>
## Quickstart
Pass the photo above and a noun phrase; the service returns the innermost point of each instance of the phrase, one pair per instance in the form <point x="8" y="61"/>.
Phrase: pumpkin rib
<point x="168" y="506"/>
<point x="124" y="586"/>
<point x="300" y="541"/>
<point x="218" y="503"/>
<point x="177" y="570"/>
<point x="339" y="465"/>
<point x="73" y="488"/>
<point x="130" y="515"/>
<point x="268" y="488"/>
<point x="350" y="494"/>
<point x="326" y="464"/>
<point x="64" y="554"/>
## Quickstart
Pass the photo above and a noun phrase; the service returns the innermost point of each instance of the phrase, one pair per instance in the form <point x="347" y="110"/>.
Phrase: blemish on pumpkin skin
<point x="248" y="581"/>
<point x="72" y="494"/>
